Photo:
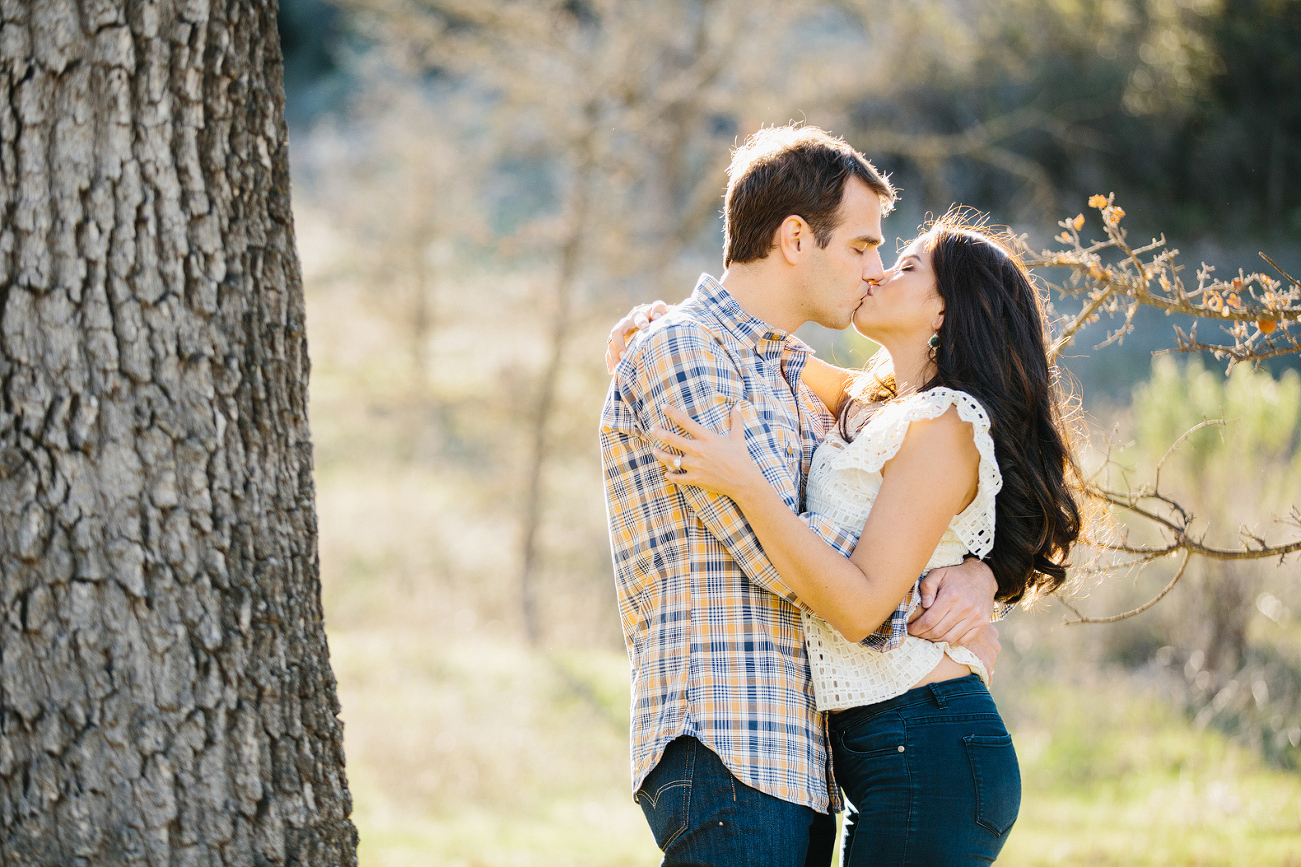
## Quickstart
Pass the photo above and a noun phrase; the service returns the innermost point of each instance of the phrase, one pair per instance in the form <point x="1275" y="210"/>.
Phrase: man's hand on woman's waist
<point x="959" y="602"/>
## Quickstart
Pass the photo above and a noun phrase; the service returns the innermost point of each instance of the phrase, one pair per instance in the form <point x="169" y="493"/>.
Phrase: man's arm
<point x="959" y="602"/>
<point x="986" y="646"/>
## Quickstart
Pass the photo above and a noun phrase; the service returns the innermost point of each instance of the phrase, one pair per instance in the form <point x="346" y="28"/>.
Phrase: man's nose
<point x="874" y="271"/>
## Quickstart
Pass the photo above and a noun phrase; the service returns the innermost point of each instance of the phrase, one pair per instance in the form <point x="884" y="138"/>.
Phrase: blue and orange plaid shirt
<point x="713" y="633"/>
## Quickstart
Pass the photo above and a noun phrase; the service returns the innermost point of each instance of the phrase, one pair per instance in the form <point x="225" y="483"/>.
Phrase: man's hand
<point x="959" y="602"/>
<point x="986" y="647"/>
<point x="637" y="319"/>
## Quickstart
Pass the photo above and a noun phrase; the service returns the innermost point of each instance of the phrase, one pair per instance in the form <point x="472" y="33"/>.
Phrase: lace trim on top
<point x="844" y="480"/>
<point x="846" y="498"/>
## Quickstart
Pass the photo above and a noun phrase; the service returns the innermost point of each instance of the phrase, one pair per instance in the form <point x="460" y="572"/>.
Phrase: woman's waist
<point x="948" y="668"/>
<point x="847" y="675"/>
<point x="949" y="552"/>
<point x="966" y="694"/>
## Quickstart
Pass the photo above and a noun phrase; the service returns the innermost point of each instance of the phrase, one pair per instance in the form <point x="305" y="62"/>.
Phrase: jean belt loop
<point x="937" y="695"/>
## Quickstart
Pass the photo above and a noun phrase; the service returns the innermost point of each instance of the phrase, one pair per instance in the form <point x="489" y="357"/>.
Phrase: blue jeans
<point x="931" y="774"/>
<point x="702" y="815"/>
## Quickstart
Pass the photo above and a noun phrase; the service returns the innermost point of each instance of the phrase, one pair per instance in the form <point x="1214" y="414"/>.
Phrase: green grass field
<point x="479" y="752"/>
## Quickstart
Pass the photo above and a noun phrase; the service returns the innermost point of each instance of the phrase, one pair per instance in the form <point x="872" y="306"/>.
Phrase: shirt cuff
<point x="892" y="633"/>
<point x="832" y="533"/>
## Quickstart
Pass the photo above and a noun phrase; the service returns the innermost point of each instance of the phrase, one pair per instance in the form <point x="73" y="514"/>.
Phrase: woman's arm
<point x="911" y="512"/>
<point x="827" y="381"/>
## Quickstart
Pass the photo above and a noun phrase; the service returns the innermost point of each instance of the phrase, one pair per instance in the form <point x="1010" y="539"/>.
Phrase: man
<point x="729" y="755"/>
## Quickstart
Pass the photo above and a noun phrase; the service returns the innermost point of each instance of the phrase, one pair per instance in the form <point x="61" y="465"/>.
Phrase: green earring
<point x="934" y="341"/>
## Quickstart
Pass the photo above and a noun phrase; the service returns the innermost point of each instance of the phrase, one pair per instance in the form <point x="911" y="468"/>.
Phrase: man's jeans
<point x="701" y="815"/>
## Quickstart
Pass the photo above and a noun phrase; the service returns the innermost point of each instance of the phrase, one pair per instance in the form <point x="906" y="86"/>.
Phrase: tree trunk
<point x="1229" y="607"/>
<point x="165" y="690"/>
<point x="570" y="249"/>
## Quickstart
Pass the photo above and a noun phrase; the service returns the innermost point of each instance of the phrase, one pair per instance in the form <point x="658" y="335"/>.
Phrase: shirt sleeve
<point x="892" y="632"/>
<point x="682" y="364"/>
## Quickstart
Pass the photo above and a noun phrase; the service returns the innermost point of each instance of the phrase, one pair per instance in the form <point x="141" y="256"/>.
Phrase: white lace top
<point x="844" y="479"/>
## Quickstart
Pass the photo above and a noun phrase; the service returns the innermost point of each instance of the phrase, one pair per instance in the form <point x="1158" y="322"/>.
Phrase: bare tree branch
<point x="1082" y="618"/>
<point x="1258" y="312"/>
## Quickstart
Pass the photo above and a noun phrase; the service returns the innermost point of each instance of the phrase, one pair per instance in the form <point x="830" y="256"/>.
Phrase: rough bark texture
<point x="165" y="689"/>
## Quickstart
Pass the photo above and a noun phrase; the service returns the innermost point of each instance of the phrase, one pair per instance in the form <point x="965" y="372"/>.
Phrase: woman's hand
<point x="714" y="462"/>
<point x="638" y="318"/>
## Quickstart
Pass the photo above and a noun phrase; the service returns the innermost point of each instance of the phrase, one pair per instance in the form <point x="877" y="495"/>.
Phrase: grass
<point x="1112" y="774"/>
<point x="473" y="750"/>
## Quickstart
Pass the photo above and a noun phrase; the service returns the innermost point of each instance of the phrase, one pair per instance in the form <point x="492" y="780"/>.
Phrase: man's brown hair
<point x="790" y="170"/>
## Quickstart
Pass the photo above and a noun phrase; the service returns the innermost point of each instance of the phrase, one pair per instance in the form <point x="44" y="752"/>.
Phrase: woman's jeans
<point x="931" y="774"/>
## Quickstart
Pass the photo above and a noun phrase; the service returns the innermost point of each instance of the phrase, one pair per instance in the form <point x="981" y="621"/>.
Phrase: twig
<point x="1148" y="275"/>
<point x="1135" y="611"/>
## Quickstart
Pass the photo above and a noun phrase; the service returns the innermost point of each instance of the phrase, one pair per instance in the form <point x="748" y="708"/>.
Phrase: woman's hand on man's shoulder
<point x="637" y="318"/>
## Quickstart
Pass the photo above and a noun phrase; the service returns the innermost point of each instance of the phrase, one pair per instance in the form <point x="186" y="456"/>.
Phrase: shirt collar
<point x="749" y="330"/>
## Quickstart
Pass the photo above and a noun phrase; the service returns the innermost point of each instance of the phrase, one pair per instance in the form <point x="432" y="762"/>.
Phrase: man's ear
<point x="793" y="238"/>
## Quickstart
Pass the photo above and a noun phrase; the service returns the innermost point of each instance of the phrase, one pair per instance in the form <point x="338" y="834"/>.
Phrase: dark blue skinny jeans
<point x="931" y="775"/>
<point x="702" y="816"/>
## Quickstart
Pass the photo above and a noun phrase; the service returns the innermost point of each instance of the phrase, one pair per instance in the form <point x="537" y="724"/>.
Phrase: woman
<point x="951" y="444"/>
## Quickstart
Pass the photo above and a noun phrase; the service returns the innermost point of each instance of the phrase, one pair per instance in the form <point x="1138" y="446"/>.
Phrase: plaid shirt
<point x="713" y="633"/>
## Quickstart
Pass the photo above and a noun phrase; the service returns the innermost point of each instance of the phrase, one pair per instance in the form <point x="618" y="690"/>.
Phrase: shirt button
<point x="901" y="749"/>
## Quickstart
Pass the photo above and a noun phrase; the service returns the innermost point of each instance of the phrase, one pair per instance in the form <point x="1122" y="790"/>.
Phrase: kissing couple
<point x="808" y="559"/>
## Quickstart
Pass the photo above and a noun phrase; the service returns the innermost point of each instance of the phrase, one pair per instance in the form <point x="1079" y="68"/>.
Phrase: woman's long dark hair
<point x="992" y="346"/>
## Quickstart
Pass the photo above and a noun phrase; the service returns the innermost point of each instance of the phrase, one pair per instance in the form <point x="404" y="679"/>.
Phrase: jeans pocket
<point x="665" y="796"/>
<point x="870" y="736"/>
<point x="997" y="777"/>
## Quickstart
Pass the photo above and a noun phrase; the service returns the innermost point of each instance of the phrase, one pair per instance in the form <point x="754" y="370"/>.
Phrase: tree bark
<point x="165" y="690"/>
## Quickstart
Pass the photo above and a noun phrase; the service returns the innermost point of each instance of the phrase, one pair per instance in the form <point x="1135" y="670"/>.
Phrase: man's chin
<point x="837" y="323"/>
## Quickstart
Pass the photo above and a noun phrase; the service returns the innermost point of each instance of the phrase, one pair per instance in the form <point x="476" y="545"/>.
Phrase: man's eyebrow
<point x="869" y="240"/>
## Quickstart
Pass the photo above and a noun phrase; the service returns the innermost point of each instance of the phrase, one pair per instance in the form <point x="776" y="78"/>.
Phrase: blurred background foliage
<point x="482" y="186"/>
